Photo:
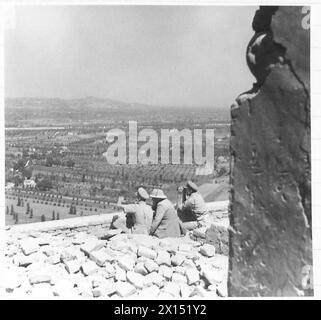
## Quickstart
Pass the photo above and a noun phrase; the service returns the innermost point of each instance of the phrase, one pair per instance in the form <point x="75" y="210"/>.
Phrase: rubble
<point x="75" y="264"/>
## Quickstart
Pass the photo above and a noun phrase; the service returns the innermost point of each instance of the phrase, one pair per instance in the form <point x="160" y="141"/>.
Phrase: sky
<point x="160" y="55"/>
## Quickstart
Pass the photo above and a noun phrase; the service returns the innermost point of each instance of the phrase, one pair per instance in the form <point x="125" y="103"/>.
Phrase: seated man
<point x="191" y="208"/>
<point x="166" y="222"/>
<point x="139" y="215"/>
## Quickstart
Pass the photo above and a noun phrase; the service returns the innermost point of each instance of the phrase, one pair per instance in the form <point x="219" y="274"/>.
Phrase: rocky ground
<point x="75" y="263"/>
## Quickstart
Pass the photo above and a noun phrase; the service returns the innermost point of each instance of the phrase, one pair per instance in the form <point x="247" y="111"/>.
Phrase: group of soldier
<point x="164" y="219"/>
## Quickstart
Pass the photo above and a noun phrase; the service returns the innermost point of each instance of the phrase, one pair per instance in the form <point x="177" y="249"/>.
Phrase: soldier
<point x="139" y="215"/>
<point x="191" y="208"/>
<point x="166" y="222"/>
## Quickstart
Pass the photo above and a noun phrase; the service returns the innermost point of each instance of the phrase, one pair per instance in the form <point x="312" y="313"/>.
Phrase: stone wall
<point x="270" y="211"/>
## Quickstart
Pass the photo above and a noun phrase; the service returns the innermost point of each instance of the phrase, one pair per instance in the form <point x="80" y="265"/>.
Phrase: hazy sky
<point x="160" y="55"/>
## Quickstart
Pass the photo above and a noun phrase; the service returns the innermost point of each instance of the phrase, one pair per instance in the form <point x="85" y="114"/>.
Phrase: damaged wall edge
<point x="270" y="199"/>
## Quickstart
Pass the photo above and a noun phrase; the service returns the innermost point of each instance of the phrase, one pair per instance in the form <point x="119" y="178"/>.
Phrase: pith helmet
<point x="192" y="185"/>
<point x="158" y="194"/>
<point x="142" y="193"/>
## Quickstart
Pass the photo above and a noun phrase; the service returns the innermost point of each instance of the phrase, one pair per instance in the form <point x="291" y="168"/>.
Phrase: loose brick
<point x="154" y="278"/>
<point x="172" y="288"/>
<point x="212" y="276"/>
<point x="149" y="292"/>
<point x="166" y="272"/>
<point x="29" y="246"/>
<point x="178" y="278"/>
<point x="136" y="279"/>
<point x="151" y="266"/>
<point x="53" y="259"/>
<point x="178" y="259"/>
<point x="92" y="245"/>
<point x="207" y="250"/>
<point x="120" y="274"/>
<point x="89" y="268"/>
<point x="146" y="252"/>
<point x="100" y="257"/>
<point x="39" y="278"/>
<point x="126" y="262"/>
<point x="163" y="257"/>
<point x="124" y="289"/>
<point x="140" y="268"/>
<point x="192" y="276"/>
<point x="72" y="266"/>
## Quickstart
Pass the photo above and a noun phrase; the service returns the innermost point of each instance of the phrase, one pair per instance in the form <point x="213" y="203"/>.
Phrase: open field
<point x="46" y="208"/>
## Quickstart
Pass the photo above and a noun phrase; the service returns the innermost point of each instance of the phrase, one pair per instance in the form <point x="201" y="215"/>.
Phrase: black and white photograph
<point x="156" y="152"/>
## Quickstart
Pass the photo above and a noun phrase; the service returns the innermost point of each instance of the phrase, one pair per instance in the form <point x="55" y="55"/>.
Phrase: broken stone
<point x="200" y="292"/>
<point x="151" y="266"/>
<point x="185" y="290"/>
<point x="111" y="255"/>
<point x="172" y="288"/>
<point x="207" y="250"/>
<point x="89" y="268"/>
<point x="146" y="252"/>
<point x="154" y="278"/>
<point x="200" y="232"/>
<point x="221" y="289"/>
<point x="120" y="274"/>
<point x="166" y="272"/>
<point x="42" y="291"/>
<point x="72" y="266"/>
<point x="110" y="270"/>
<point x="84" y="288"/>
<point x="149" y="292"/>
<point x="97" y="280"/>
<point x="29" y="246"/>
<point x="43" y="241"/>
<point x="163" y="257"/>
<point x="64" y="289"/>
<point x="140" y="268"/>
<point x="212" y="276"/>
<point x="136" y="279"/>
<point x="178" y="259"/>
<point x="184" y="247"/>
<point x="92" y="245"/>
<point x="24" y="261"/>
<point x="39" y="278"/>
<point x="69" y="254"/>
<point x="126" y="262"/>
<point x="178" y="278"/>
<point x="124" y="289"/>
<point x="169" y="244"/>
<point x="118" y="245"/>
<point x="192" y="276"/>
<point x="180" y="269"/>
<point x="100" y="257"/>
<point x="53" y="259"/>
<point x="188" y="264"/>
<point x="49" y="252"/>
<point x="10" y="281"/>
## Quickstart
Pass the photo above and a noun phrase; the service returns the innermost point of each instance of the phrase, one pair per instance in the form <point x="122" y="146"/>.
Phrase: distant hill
<point x="40" y="111"/>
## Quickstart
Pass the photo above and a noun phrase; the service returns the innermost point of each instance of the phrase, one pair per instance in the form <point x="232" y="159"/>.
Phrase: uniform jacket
<point x="166" y="222"/>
